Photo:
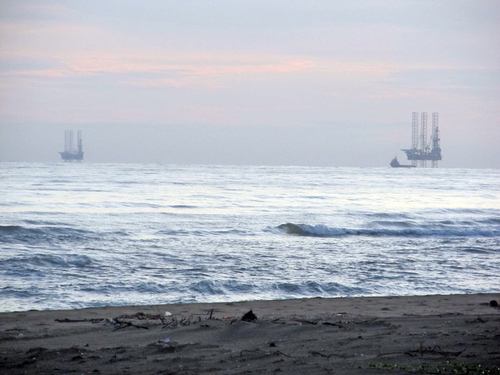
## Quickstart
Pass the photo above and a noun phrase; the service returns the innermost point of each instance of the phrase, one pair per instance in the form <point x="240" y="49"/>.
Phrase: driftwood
<point x="167" y="321"/>
<point x="304" y="321"/>
<point x="142" y="316"/>
<point x="66" y="320"/>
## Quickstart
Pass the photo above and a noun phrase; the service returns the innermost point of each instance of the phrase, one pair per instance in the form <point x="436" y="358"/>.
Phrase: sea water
<point x="81" y="235"/>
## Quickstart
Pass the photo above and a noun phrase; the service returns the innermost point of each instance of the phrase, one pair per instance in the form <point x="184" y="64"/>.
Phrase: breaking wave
<point x="321" y="230"/>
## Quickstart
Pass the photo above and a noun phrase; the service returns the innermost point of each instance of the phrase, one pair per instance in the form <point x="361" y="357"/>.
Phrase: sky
<point x="249" y="82"/>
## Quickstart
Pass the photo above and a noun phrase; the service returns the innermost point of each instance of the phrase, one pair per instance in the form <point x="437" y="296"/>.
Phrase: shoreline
<point x="316" y="335"/>
<point x="327" y="301"/>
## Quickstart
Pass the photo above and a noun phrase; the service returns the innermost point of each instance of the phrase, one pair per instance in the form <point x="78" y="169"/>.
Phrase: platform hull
<point x="69" y="156"/>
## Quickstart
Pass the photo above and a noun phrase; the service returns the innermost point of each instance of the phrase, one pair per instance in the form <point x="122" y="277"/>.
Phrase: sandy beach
<point x="369" y="335"/>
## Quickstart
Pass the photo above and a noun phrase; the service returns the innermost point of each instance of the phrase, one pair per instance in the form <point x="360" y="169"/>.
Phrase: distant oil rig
<point x="71" y="153"/>
<point x="429" y="150"/>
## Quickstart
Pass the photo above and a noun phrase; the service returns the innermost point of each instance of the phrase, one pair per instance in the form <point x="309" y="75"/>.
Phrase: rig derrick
<point x="71" y="153"/>
<point x="429" y="150"/>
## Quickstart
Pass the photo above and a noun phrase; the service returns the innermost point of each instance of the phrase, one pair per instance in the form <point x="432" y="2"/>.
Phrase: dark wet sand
<point x="370" y="335"/>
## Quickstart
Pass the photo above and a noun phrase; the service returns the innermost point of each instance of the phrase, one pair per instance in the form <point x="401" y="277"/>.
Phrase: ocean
<point x="82" y="235"/>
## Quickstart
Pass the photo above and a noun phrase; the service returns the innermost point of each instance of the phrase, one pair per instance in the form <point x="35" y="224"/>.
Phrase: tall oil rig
<point x="71" y="153"/>
<point x="429" y="150"/>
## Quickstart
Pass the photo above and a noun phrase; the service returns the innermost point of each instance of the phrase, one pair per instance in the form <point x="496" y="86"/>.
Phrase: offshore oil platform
<point x="71" y="153"/>
<point x="429" y="149"/>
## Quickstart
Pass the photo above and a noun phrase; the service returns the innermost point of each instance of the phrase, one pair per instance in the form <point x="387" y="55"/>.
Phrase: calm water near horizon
<point x="81" y="235"/>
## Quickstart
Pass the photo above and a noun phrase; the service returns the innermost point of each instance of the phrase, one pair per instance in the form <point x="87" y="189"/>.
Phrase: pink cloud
<point x="192" y="65"/>
<point x="169" y="69"/>
<point x="44" y="73"/>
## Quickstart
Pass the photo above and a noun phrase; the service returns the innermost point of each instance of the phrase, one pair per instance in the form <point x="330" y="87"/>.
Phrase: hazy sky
<point x="276" y="82"/>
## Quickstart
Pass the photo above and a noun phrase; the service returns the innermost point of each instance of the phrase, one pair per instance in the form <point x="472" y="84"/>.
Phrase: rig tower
<point x="71" y="153"/>
<point x="429" y="150"/>
<point x="435" y="136"/>
<point x="423" y="138"/>
<point x="414" y="134"/>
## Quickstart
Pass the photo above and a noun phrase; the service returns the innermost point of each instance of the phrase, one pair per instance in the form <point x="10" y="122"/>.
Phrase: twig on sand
<point x="122" y="324"/>
<point x="477" y="320"/>
<point x="327" y="355"/>
<point x="431" y="350"/>
<point x="278" y="352"/>
<point x="319" y="354"/>
<point x="333" y="324"/>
